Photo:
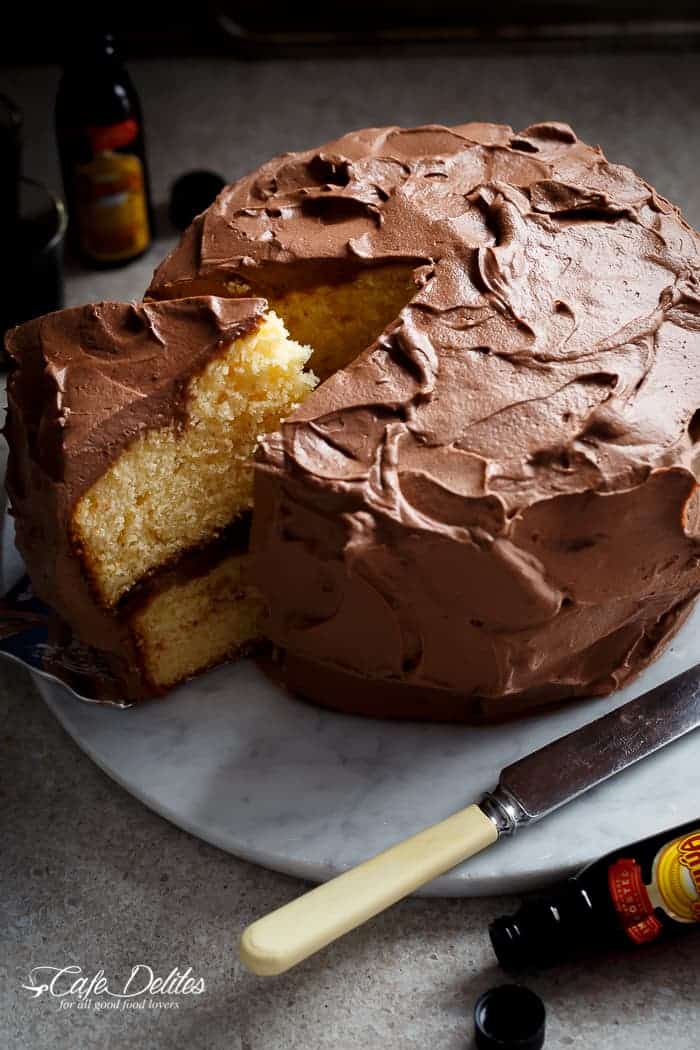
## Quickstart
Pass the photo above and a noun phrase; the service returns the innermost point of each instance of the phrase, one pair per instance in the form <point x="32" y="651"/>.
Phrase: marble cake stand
<point x="233" y="759"/>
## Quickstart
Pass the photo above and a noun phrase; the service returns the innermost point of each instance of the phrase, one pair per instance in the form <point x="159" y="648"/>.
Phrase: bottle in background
<point x="634" y="896"/>
<point x="101" y="146"/>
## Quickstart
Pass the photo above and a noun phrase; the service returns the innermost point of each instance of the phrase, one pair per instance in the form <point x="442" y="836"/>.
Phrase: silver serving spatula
<point x="527" y="791"/>
<point x="25" y="638"/>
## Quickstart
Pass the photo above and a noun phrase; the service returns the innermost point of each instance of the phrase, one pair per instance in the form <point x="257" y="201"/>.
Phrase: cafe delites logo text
<point x="73" y="988"/>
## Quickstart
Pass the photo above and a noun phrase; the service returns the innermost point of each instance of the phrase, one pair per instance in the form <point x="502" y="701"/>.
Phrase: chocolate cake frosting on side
<point x="496" y="504"/>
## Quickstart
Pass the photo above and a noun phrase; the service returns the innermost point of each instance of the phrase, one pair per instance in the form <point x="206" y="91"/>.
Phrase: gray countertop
<point x="88" y="876"/>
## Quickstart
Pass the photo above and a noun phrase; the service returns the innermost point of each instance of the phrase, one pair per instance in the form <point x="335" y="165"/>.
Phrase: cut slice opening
<point x="179" y="487"/>
<point x="341" y="319"/>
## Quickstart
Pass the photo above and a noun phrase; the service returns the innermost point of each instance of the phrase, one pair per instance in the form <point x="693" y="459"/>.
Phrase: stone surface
<point x="88" y="876"/>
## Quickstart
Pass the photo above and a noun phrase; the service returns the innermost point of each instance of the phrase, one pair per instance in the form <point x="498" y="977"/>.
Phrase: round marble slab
<point x="235" y="760"/>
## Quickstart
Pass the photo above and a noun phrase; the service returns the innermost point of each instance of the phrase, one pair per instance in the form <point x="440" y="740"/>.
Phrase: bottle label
<point x="674" y="889"/>
<point x="112" y="214"/>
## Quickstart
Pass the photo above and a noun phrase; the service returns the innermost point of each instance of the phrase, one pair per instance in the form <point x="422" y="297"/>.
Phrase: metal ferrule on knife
<point x="504" y="811"/>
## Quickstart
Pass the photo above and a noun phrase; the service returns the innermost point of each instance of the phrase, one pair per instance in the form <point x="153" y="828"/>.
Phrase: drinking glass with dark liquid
<point x="103" y="160"/>
<point x="32" y="228"/>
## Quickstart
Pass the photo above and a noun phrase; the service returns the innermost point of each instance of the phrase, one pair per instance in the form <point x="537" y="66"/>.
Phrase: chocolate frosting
<point x="496" y="504"/>
<point x="86" y="382"/>
<point x="498" y="498"/>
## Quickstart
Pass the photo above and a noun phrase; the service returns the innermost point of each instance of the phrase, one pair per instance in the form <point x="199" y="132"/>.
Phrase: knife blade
<point x="527" y="791"/>
<point x="559" y="772"/>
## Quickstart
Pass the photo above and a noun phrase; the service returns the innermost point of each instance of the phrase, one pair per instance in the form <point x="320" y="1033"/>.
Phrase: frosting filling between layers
<point x="185" y="618"/>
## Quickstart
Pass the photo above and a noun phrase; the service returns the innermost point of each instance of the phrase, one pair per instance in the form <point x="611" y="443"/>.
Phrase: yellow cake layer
<point x="174" y="488"/>
<point x="340" y="320"/>
<point x="195" y="624"/>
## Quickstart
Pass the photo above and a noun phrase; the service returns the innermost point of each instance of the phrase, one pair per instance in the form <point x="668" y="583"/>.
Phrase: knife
<point x="527" y="791"/>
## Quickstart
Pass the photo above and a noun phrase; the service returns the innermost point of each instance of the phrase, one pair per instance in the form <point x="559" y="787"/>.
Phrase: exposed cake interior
<point x="341" y="319"/>
<point x="197" y="621"/>
<point x="177" y="486"/>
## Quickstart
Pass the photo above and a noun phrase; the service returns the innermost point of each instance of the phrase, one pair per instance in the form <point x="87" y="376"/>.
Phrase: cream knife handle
<point x="295" y="931"/>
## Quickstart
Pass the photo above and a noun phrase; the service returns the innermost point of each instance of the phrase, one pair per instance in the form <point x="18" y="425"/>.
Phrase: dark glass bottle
<point x="99" y="129"/>
<point x="633" y="896"/>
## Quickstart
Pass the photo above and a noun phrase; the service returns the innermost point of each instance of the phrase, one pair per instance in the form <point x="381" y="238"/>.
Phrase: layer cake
<point x="491" y="500"/>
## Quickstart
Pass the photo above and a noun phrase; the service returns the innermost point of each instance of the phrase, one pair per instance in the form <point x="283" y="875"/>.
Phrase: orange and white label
<point x="674" y="889"/>
<point x="631" y="901"/>
<point x="111" y="206"/>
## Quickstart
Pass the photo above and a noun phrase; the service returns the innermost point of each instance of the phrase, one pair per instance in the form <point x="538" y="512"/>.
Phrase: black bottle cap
<point x="191" y="194"/>
<point x="509" y="1017"/>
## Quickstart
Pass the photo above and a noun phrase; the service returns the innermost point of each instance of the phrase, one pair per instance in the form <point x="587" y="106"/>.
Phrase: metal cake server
<point x="25" y="638"/>
<point x="527" y="791"/>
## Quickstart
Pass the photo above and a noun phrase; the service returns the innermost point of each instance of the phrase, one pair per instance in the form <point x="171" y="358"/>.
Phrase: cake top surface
<point x="551" y="343"/>
<point x="421" y="195"/>
<point x="87" y="379"/>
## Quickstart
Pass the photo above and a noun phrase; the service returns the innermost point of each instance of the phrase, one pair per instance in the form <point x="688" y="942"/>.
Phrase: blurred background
<point x="228" y="85"/>
<point x="252" y="30"/>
